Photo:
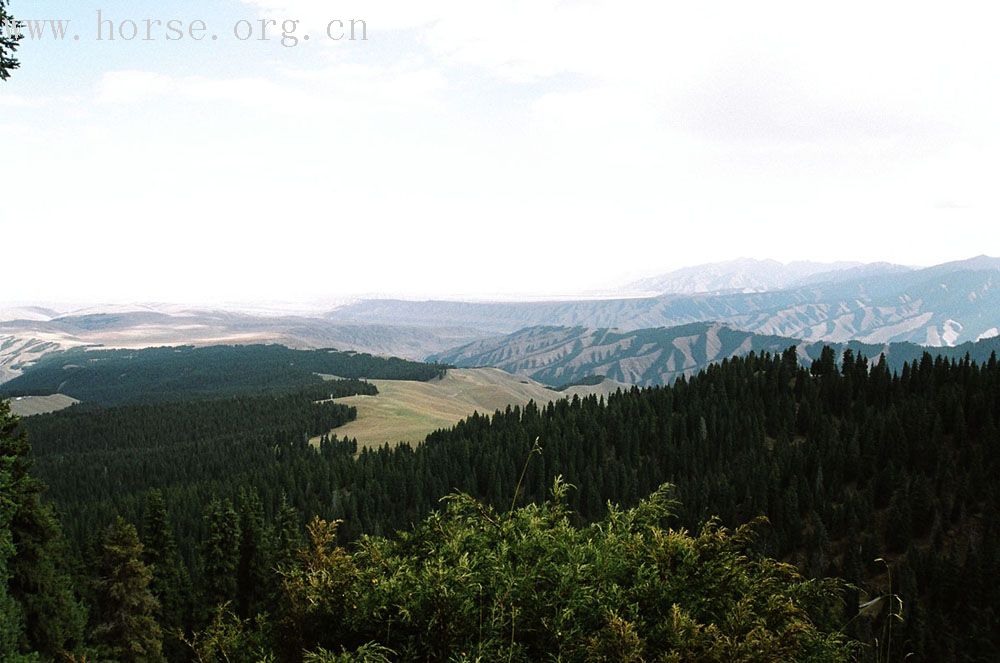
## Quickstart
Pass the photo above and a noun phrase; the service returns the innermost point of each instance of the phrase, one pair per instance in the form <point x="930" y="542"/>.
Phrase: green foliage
<point x="470" y="584"/>
<point x="37" y="591"/>
<point x="228" y="638"/>
<point x="8" y="42"/>
<point x="11" y="619"/>
<point x="221" y="553"/>
<point x="192" y="452"/>
<point x="125" y="627"/>
<point x="256" y="555"/>
<point x="170" y="583"/>
<point x="288" y="539"/>
<point x="848" y="464"/>
<point x="367" y="653"/>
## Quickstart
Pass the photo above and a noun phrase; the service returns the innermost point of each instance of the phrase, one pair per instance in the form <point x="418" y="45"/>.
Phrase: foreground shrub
<point x="470" y="584"/>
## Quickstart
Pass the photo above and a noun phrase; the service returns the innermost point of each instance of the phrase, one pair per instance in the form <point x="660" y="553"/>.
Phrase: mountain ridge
<point x="646" y="357"/>
<point x="740" y="275"/>
<point x="938" y="306"/>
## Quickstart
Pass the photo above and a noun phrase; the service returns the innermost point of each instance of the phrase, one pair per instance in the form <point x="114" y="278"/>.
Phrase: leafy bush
<point x="471" y="584"/>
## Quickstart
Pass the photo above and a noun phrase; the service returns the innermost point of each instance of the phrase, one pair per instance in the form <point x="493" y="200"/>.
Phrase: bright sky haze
<point x="495" y="147"/>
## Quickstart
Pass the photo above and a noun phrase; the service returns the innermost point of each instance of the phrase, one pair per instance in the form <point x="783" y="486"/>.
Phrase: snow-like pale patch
<point x="992" y="332"/>
<point x="713" y="345"/>
<point x="684" y="344"/>
<point x="952" y="329"/>
<point x="888" y="333"/>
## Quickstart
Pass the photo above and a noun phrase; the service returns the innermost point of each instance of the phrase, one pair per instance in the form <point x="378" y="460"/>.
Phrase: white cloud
<point x="132" y="87"/>
<point x="523" y="142"/>
<point x="18" y="101"/>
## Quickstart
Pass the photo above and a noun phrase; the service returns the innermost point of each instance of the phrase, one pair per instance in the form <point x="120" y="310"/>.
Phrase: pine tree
<point x="221" y="553"/>
<point x="126" y="629"/>
<point x="36" y="577"/>
<point x="11" y="620"/>
<point x="255" y="555"/>
<point x="826" y="364"/>
<point x="899" y="522"/>
<point x="288" y="535"/>
<point x="170" y="584"/>
<point x="8" y="42"/>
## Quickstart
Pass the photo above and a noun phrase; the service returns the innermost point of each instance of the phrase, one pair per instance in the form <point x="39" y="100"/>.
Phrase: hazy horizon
<point x="321" y="303"/>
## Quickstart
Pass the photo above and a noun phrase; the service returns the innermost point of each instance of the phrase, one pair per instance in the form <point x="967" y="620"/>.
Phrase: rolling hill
<point x="407" y="411"/>
<point x="37" y="332"/>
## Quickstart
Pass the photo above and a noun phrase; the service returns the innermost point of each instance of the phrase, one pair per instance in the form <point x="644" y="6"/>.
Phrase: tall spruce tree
<point x="255" y="555"/>
<point x="11" y="620"/>
<point x="170" y="584"/>
<point x="36" y="577"/>
<point x="288" y="536"/>
<point x="221" y="553"/>
<point x="126" y="629"/>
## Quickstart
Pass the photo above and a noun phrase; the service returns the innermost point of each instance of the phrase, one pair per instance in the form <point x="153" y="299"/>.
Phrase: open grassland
<point x="407" y="411"/>
<point x="28" y="406"/>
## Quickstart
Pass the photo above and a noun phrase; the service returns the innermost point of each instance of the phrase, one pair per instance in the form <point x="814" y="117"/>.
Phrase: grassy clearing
<point x="28" y="406"/>
<point x="407" y="411"/>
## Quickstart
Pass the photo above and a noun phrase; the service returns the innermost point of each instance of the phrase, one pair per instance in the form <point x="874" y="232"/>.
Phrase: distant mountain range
<point x="743" y="275"/>
<point x="876" y="304"/>
<point x="943" y="305"/>
<point x="566" y="355"/>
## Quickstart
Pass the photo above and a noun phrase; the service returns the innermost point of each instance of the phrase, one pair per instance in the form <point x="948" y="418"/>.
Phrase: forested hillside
<point x="117" y="377"/>
<point x="881" y="479"/>
<point x="101" y="462"/>
<point x="469" y="583"/>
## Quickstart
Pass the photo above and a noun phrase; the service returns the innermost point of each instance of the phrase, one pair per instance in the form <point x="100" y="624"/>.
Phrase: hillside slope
<point x="562" y="355"/>
<point x="407" y="411"/>
<point x="117" y="377"/>
<point x="23" y="341"/>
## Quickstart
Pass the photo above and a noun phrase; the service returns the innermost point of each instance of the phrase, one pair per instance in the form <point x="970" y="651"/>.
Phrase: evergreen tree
<point x="288" y="536"/>
<point x="255" y="555"/>
<point x="170" y="583"/>
<point x="899" y="522"/>
<point x="8" y="42"/>
<point x="126" y="629"/>
<point x="11" y="621"/>
<point x="221" y="553"/>
<point x="36" y="576"/>
<point x="848" y="465"/>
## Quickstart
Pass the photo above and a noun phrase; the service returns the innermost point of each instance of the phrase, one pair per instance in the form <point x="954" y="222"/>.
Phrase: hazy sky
<point x="476" y="147"/>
